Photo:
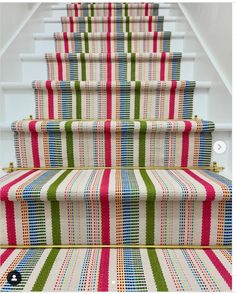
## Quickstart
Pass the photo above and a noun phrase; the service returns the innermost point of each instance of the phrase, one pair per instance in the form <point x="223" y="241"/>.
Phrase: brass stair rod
<point x="214" y="167"/>
<point x="116" y="246"/>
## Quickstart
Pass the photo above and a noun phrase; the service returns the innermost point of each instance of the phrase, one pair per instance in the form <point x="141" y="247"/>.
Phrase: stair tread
<point x="115" y="185"/>
<point x="118" y="270"/>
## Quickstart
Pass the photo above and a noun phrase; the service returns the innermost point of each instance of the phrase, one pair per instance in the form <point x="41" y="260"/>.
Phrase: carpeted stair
<point x="115" y="162"/>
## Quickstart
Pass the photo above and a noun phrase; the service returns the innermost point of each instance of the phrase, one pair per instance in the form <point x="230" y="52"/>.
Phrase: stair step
<point x="102" y="100"/>
<point x="184" y="185"/>
<point x="118" y="24"/>
<point x="112" y="143"/>
<point x="113" y="42"/>
<point x="115" y="66"/>
<point x="15" y="93"/>
<point x="162" y="207"/>
<point x="118" y="270"/>
<point x="61" y="10"/>
<point x="115" y="9"/>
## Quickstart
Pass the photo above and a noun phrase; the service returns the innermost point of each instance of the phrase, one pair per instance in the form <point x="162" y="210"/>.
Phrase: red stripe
<point x="109" y="71"/>
<point x="172" y="99"/>
<point x="50" y="100"/>
<point x="219" y="266"/>
<point x="109" y="76"/>
<point x="10" y="218"/>
<point x="146" y="9"/>
<point x="104" y="270"/>
<point x="109" y="24"/>
<point x="71" y="24"/>
<point x="155" y="41"/>
<point x="109" y="10"/>
<point x="59" y="63"/>
<point x="104" y="199"/>
<point x="150" y="24"/>
<point x="107" y="143"/>
<point x="162" y="68"/>
<point x="34" y="142"/>
<point x="5" y="189"/>
<point x="76" y="9"/>
<point x="206" y="208"/>
<point x="185" y="143"/>
<point x="5" y="255"/>
<point x="109" y="100"/>
<point x="108" y="42"/>
<point x="66" y="45"/>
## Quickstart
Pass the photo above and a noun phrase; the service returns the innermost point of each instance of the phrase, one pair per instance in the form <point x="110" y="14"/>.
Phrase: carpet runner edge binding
<point x="115" y="98"/>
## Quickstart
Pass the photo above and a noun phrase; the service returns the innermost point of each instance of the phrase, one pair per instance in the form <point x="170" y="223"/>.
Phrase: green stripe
<point x="55" y="208"/>
<point x="51" y="194"/>
<point x="83" y="66"/>
<point x="92" y="9"/>
<point x="45" y="271"/>
<point x="86" y="43"/>
<point x="137" y="99"/>
<point x="142" y="137"/>
<point x="69" y="144"/>
<point x="89" y="24"/>
<point x="126" y="9"/>
<point x="132" y="66"/>
<point x="127" y="24"/>
<point x="156" y="270"/>
<point x="78" y="99"/>
<point x="129" y="42"/>
<point x="151" y="191"/>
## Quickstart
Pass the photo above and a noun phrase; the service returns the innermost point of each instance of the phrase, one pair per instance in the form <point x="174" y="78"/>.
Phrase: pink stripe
<point x="146" y="9"/>
<point x="206" y="209"/>
<point x="109" y="100"/>
<point x="104" y="270"/>
<point x="104" y="199"/>
<point x="76" y="9"/>
<point x="50" y="100"/>
<point x="150" y="24"/>
<point x="107" y="143"/>
<point x="108" y="42"/>
<point x="162" y="67"/>
<point x="155" y="42"/>
<point x="10" y="218"/>
<point x="185" y="143"/>
<point x="71" y="24"/>
<point x="66" y="45"/>
<point x="109" y="67"/>
<point x="109" y="10"/>
<point x="5" y="189"/>
<point x="220" y="267"/>
<point x="5" y="255"/>
<point x="59" y="63"/>
<point x="172" y="99"/>
<point x="109" y="24"/>
<point x="34" y="142"/>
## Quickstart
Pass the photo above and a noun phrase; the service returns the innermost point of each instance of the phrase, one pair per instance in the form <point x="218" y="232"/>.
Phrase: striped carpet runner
<point x="115" y="157"/>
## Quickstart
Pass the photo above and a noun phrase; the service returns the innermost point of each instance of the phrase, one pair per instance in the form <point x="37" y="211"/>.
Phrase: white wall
<point x="213" y="22"/>
<point x="11" y="17"/>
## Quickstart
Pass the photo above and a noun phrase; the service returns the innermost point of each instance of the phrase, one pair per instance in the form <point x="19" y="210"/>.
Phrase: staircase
<point x="114" y="187"/>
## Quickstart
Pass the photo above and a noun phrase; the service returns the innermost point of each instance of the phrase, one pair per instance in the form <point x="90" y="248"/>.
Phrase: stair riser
<point x="159" y="223"/>
<point x="52" y="27"/>
<point x="63" y="12"/>
<point x="42" y="46"/>
<point x="110" y="144"/>
<point x="37" y="70"/>
<point x="17" y="97"/>
<point x="136" y="100"/>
